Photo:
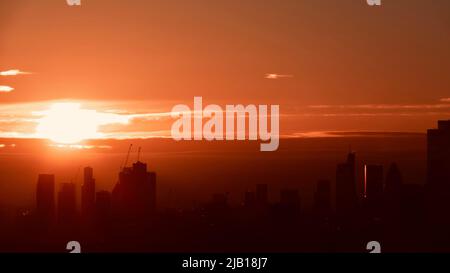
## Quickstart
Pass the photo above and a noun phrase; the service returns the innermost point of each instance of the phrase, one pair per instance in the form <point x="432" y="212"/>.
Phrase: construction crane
<point x="126" y="159"/>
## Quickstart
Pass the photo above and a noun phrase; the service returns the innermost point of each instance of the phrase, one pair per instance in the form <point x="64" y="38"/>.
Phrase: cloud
<point x="383" y="106"/>
<point x="13" y="72"/>
<point x="5" y="89"/>
<point x="7" y="145"/>
<point x="355" y="133"/>
<point x="445" y="99"/>
<point x="374" y="110"/>
<point x="80" y="147"/>
<point x="274" y="76"/>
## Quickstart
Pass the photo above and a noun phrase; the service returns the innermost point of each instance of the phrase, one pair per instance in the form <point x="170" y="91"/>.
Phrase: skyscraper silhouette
<point x="134" y="196"/>
<point x="393" y="193"/>
<point x="438" y="179"/>
<point x="373" y="191"/>
<point x="67" y="205"/>
<point x="438" y="156"/>
<point x="45" y="197"/>
<point x="346" y="198"/>
<point x="88" y="193"/>
<point x="394" y="180"/>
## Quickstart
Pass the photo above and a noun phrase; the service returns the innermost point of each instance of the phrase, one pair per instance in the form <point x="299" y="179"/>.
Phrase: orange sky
<point x="352" y="67"/>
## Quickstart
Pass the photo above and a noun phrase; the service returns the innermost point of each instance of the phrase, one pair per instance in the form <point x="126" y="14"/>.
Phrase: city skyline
<point x="385" y="204"/>
<point x="374" y="182"/>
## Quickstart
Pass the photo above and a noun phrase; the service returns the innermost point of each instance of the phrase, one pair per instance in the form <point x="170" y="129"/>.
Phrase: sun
<point x="67" y="123"/>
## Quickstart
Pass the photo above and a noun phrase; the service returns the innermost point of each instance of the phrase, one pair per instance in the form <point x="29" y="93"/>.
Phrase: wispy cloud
<point x="445" y="99"/>
<point x="13" y="72"/>
<point x="383" y="106"/>
<point x="5" y="89"/>
<point x="274" y="76"/>
<point x="440" y="108"/>
<point x="7" y="145"/>
<point x="382" y="114"/>
<point x="355" y="133"/>
<point x="80" y="147"/>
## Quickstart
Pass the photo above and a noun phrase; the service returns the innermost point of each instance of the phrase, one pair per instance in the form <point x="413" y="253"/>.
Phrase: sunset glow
<point x="67" y="123"/>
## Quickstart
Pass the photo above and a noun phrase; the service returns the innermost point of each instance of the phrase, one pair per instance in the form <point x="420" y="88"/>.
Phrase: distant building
<point x="134" y="196"/>
<point x="67" y="205"/>
<point x="219" y="201"/>
<point x="262" y="194"/>
<point x="438" y="179"/>
<point x="290" y="200"/>
<point x="346" y="197"/>
<point x="322" y="197"/>
<point x="393" y="192"/>
<point x="373" y="186"/>
<point x="438" y="156"/>
<point x="394" y="179"/>
<point x="88" y="193"/>
<point x="45" y="197"/>
<point x="249" y="199"/>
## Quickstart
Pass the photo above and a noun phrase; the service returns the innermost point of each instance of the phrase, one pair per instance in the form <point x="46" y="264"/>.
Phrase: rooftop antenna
<point x="139" y="154"/>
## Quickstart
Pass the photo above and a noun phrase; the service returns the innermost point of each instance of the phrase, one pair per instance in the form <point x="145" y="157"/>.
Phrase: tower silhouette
<point x="45" y="197"/>
<point x="438" y="179"/>
<point x="346" y="198"/>
<point x="134" y="196"/>
<point x="88" y="194"/>
<point x="373" y="191"/>
<point x="393" y="193"/>
<point x="394" y="179"/>
<point x="438" y="156"/>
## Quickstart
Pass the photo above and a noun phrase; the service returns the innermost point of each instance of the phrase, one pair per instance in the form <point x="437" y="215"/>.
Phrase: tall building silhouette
<point x="394" y="179"/>
<point x="45" y="197"/>
<point x="346" y="198"/>
<point x="373" y="187"/>
<point x="393" y="193"/>
<point x="67" y="205"/>
<point x="88" y="193"/>
<point x="438" y="179"/>
<point x="438" y="156"/>
<point x="134" y="196"/>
